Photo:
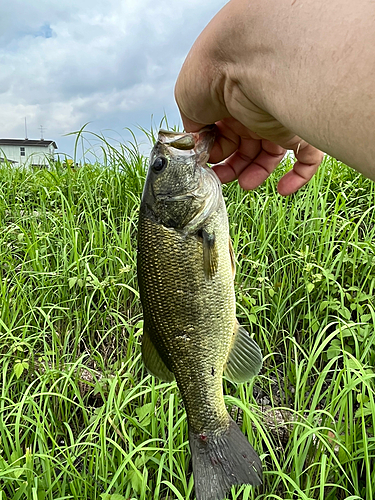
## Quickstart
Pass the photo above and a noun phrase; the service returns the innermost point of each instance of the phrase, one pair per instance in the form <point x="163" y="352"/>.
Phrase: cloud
<point x="112" y="63"/>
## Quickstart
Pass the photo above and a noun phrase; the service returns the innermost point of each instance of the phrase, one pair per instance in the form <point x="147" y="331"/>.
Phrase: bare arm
<point x="284" y="74"/>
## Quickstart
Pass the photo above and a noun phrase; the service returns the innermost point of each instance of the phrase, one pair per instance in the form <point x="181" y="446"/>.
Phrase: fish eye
<point x="159" y="164"/>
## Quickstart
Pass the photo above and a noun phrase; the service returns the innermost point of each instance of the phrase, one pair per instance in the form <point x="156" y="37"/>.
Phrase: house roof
<point x="6" y="159"/>
<point x="26" y="142"/>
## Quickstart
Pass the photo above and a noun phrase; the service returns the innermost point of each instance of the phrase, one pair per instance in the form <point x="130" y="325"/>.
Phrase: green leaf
<point x="17" y="472"/>
<point x="363" y="296"/>
<point x="365" y="318"/>
<point x="3" y="464"/>
<point x="72" y="281"/>
<point x="332" y="352"/>
<point x="353" y="364"/>
<point x="364" y="410"/>
<point x="18" y="369"/>
<point x="141" y="460"/>
<point x="144" y="413"/>
<point x="310" y="287"/>
<point x="348" y="349"/>
<point x="135" y="479"/>
<point x="346" y="331"/>
<point x="323" y="305"/>
<point x="315" y="326"/>
<point x="345" y="313"/>
<point x="15" y="456"/>
<point x="363" y="333"/>
<point x="252" y="318"/>
<point x="362" y="398"/>
<point x="334" y="349"/>
<point x="41" y="494"/>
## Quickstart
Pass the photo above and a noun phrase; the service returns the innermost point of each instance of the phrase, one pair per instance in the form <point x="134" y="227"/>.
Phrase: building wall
<point x="34" y="155"/>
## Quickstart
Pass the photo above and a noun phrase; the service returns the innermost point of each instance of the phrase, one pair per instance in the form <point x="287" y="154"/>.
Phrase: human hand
<point x="250" y="157"/>
<point x="226" y="79"/>
<point x="245" y="156"/>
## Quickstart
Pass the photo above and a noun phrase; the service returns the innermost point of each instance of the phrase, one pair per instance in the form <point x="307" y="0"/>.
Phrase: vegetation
<point x="80" y="417"/>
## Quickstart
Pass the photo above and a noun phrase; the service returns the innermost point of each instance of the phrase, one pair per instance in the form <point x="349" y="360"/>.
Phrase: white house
<point x="27" y="151"/>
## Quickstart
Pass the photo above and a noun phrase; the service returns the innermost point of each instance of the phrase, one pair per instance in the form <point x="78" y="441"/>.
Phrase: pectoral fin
<point x="244" y="359"/>
<point x="152" y="360"/>
<point x="210" y="254"/>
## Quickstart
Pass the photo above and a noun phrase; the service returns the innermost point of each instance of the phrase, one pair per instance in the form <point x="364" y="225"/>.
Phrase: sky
<point x="110" y="64"/>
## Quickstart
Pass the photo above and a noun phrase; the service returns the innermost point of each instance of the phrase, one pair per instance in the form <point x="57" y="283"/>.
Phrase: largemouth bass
<point x="185" y="272"/>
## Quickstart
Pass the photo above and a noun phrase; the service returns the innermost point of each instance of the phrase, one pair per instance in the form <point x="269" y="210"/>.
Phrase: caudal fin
<point x="221" y="461"/>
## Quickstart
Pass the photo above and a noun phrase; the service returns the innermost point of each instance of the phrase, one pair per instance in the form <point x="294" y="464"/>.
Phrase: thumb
<point x="190" y="125"/>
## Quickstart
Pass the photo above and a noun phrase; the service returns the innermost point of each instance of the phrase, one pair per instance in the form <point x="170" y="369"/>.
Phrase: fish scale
<point x="174" y="309"/>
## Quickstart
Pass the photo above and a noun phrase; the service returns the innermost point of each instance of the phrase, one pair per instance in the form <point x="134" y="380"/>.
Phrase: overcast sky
<point x="113" y="63"/>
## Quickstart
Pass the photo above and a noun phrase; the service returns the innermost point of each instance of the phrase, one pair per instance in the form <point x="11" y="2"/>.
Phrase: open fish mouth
<point x="186" y="141"/>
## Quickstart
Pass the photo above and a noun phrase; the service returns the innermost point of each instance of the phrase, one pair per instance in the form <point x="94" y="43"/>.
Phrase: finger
<point x="251" y="164"/>
<point x="224" y="146"/>
<point x="233" y="167"/>
<point x="232" y="136"/>
<point x="308" y="161"/>
<point x="190" y="125"/>
<point x="193" y="93"/>
<point x="262" y="166"/>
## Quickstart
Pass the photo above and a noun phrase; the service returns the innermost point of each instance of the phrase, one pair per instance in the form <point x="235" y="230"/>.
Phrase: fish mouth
<point x="181" y="141"/>
<point x="179" y="197"/>
<point x="186" y="141"/>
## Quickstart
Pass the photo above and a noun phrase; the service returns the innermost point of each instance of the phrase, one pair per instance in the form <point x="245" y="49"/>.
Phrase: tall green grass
<point x="79" y="415"/>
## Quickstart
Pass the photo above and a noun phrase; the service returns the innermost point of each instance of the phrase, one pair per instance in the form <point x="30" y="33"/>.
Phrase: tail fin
<point x="221" y="461"/>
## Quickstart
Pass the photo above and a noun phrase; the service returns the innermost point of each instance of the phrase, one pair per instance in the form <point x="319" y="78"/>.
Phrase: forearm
<point x="310" y="65"/>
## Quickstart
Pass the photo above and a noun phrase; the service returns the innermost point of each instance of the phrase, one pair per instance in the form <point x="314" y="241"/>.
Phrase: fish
<point x="186" y="268"/>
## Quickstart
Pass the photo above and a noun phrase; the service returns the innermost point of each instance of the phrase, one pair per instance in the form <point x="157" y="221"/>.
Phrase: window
<point x="22" y="151"/>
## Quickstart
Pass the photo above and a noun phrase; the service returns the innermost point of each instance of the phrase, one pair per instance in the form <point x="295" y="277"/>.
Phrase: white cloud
<point x="112" y="63"/>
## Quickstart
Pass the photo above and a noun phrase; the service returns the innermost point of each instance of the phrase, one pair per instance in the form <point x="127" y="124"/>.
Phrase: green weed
<point x="80" y="417"/>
